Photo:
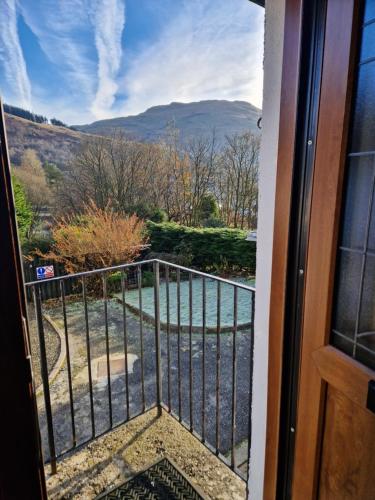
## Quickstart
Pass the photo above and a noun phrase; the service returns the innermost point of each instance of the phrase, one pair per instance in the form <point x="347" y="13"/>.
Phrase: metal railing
<point x="186" y="341"/>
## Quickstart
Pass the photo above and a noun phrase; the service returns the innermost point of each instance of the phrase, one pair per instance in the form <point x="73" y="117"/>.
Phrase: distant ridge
<point x="195" y="119"/>
<point x="59" y="144"/>
<point x="51" y="143"/>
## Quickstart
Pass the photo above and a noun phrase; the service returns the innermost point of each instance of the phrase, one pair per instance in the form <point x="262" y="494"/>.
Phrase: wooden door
<point x="335" y="431"/>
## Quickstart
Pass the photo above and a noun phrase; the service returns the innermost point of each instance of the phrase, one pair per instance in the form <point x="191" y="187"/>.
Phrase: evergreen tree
<point x="24" y="211"/>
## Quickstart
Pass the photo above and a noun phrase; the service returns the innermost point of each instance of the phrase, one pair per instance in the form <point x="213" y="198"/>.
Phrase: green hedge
<point x="207" y="248"/>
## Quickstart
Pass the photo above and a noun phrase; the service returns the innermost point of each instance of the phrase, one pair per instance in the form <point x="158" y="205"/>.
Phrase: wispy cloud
<point x="108" y="18"/>
<point x="64" y="32"/>
<point x="211" y="50"/>
<point x="82" y="40"/>
<point x="12" y="62"/>
<point x="203" y="50"/>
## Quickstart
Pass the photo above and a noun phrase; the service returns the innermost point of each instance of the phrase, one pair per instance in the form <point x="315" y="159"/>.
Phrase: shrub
<point x="147" y="278"/>
<point x="174" y="258"/>
<point x="208" y="248"/>
<point x="99" y="238"/>
<point x="148" y="212"/>
<point x="213" y="222"/>
<point x="24" y="211"/>
<point x="36" y="245"/>
<point x="207" y="207"/>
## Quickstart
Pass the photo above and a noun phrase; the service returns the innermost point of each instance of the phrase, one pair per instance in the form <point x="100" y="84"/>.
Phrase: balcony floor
<point x="132" y="447"/>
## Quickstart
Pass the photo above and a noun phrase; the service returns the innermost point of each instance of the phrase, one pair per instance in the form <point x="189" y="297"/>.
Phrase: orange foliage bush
<point x="97" y="238"/>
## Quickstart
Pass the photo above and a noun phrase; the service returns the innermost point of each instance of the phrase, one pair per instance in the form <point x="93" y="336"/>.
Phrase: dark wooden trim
<point x="287" y="133"/>
<point x="21" y="465"/>
<point x="324" y="223"/>
<point x="344" y="373"/>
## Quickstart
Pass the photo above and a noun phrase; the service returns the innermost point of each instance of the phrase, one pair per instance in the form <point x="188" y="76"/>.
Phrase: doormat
<point x="162" y="481"/>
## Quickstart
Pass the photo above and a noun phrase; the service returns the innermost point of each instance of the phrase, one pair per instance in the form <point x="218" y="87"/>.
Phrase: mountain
<point x="54" y="144"/>
<point x="195" y="119"/>
<point x="58" y="144"/>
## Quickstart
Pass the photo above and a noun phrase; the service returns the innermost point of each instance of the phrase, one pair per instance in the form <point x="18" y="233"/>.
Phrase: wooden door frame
<point x="331" y="136"/>
<point x="21" y="463"/>
<point x="284" y="177"/>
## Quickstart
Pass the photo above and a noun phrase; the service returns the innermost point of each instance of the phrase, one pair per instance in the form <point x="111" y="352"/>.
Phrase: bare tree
<point x="170" y="175"/>
<point x="238" y="182"/>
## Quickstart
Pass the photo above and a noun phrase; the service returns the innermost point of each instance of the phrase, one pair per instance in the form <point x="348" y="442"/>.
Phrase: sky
<point x="87" y="60"/>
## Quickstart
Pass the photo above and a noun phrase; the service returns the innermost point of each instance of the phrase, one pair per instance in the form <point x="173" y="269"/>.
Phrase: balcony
<point x="141" y="361"/>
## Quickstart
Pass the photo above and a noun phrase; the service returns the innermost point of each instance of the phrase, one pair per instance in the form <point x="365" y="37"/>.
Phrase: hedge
<point x="208" y="248"/>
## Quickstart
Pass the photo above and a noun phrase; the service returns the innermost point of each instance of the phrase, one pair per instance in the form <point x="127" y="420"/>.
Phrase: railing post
<point x="157" y="336"/>
<point x="252" y="333"/>
<point x="44" y="373"/>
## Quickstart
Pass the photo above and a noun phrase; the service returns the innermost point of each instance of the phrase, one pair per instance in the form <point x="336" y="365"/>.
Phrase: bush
<point x="24" y="211"/>
<point x="173" y="258"/>
<point x="213" y="222"/>
<point x="147" y="278"/>
<point x="36" y="245"/>
<point x="148" y="212"/>
<point x="207" y="208"/>
<point x="99" y="238"/>
<point x="208" y="248"/>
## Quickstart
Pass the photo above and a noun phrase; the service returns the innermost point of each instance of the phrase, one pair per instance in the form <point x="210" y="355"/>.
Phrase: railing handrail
<point x="141" y="263"/>
<point x="189" y="370"/>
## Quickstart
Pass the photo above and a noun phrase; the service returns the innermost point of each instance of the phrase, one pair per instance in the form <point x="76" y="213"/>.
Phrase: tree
<point x="237" y="180"/>
<point x="99" y="237"/>
<point x="33" y="180"/>
<point x="53" y="174"/>
<point x="58" y="123"/>
<point x="172" y="176"/>
<point x="207" y="209"/>
<point x="202" y="156"/>
<point x="23" y="113"/>
<point x="24" y="212"/>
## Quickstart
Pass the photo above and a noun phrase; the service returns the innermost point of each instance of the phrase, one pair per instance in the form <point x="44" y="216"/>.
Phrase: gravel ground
<point x="81" y="394"/>
<point x="52" y="341"/>
<point x="61" y="406"/>
<point x="134" y="446"/>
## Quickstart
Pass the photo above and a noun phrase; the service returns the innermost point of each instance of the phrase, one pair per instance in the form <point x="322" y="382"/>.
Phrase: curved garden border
<point x="61" y="358"/>
<point x="173" y="328"/>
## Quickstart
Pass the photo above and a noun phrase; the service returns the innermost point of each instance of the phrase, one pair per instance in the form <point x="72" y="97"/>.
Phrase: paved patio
<point x="120" y="454"/>
<point x="103" y="454"/>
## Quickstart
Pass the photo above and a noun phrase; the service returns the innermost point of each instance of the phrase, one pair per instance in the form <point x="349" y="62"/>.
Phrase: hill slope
<point x="194" y="119"/>
<point x="53" y="144"/>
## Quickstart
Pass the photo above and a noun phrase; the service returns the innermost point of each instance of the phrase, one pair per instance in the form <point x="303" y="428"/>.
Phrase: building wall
<point x="274" y="31"/>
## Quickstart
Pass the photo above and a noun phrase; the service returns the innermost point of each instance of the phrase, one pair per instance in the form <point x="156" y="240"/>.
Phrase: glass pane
<point x="356" y="201"/>
<point x="363" y="132"/>
<point x="366" y="356"/>
<point x="369" y="10"/>
<point x="353" y="325"/>
<point x="367" y="316"/>
<point x="368" y="42"/>
<point x="371" y="236"/>
<point x="348" y="281"/>
<point x="342" y="343"/>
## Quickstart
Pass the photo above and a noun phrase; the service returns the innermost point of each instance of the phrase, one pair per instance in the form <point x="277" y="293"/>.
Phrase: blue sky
<point x="85" y="60"/>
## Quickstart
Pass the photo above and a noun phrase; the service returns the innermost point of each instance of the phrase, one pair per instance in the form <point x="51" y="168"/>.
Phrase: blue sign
<point x="44" y="272"/>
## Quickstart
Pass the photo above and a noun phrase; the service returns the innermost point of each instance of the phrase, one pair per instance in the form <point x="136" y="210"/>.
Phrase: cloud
<point x="82" y="41"/>
<point x="203" y="50"/>
<point x="211" y="50"/>
<point x="63" y="33"/>
<point x="108" y="19"/>
<point x="12" y="63"/>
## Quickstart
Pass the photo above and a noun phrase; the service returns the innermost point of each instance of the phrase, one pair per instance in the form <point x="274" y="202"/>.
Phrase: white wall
<point x="274" y="31"/>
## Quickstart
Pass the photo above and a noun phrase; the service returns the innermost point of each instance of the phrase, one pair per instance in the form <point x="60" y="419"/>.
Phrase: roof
<point x="259" y="2"/>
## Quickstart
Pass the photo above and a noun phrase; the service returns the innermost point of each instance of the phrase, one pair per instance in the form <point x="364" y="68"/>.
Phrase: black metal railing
<point x="182" y="340"/>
